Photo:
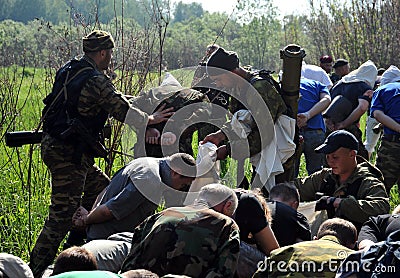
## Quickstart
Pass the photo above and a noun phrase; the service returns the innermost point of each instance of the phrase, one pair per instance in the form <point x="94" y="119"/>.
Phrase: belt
<point x="391" y="137"/>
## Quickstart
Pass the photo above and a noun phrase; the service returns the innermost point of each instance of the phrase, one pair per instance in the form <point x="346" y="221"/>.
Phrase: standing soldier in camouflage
<point x="200" y="240"/>
<point x="76" y="110"/>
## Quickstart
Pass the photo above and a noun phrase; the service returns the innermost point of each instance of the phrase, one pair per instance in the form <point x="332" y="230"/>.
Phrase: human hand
<point x="339" y="126"/>
<point x="329" y="124"/>
<point x="168" y="138"/>
<point x="216" y="138"/>
<point x="79" y="217"/>
<point x="161" y="115"/>
<point x="222" y="152"/>
<point x="325" y="203"/>
<point x="152" y="135"/>
<point x="302" y="119"/>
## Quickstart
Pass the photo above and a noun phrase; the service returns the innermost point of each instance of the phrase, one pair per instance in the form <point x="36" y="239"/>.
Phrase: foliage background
<point x="38" y="36"/>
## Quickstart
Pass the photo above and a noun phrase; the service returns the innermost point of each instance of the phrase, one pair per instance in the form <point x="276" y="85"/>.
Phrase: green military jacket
<point x="192" y="108"/>
<point x="261" y="135"/>
<point x="315" y="258"/>
<point x="186" y="241"/>
<point x="99" y="94"/>
<point x="370" y="199"/>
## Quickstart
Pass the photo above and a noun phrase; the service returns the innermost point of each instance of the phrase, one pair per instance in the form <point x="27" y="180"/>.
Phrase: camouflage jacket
<point x="273" y="105"/>
<point x="369" y="199"/>
<point x="186" y="241"/>
<point x="191" y="108"/>
<point x="315" y="258"/>
<point x="99" y="94"/>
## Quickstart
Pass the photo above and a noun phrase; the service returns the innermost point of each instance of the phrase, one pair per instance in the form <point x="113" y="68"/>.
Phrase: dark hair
<point x="183" y="164"/>
<point x="260" y="197"/>
<point x="343" y="230"/>
<point x="74" y="259"/>
<point x="286" y="191"/>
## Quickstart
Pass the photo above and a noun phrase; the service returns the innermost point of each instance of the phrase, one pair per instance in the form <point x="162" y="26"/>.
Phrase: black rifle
<point x="20" y="138"/>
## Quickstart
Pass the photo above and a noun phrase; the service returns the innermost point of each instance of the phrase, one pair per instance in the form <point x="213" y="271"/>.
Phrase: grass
<point x="25" y="188"/>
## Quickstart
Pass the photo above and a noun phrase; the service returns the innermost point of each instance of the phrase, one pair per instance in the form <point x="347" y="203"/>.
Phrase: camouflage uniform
<point x="74" y="174"/>
<point x="363" y="193"/>
<point x="186" y="241"/>
<point x="187" y="120"/>
<point x="253" y="142"/>
<point x="317" y="258"/>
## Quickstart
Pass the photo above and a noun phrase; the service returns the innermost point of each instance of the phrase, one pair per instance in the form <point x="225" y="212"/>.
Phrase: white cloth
<point x="316" y="73"/>
<point x="241" y="123"/>
<point x="392" y="74"/>
<point x="207" y="170"/>
<point x="278" y="152"/>
<point x="367" y="73"/>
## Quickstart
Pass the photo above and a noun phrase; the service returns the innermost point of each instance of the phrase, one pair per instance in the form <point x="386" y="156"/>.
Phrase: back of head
<point x="74" y="259"/>
<point x="367" y="73"/>
<point x="221" y="60"/>
<point x="183" y="164"/>
<point x="342" y="229"/>
<point x="215" y="194"/>
<point x="284" y="192"/>
<point x="392" y="74"/>
<point x="13" y="267"/>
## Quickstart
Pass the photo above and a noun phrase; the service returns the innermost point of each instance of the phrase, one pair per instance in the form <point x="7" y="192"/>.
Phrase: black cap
<point x="340" y="62"/>
<point x="227" y="60"/>
<point x="338" y="139"/>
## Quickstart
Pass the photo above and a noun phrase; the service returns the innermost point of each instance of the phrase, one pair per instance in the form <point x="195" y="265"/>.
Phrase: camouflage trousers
<point x="387" y="162"/>
<point x="69" y="181"/>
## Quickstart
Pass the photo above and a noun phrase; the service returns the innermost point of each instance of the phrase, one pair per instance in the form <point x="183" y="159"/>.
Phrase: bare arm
<point x="387" y="121"/>
<point x="99" y="215"/>
<point x="321" y="105"/>
<point x="266" y="240"/>
<point x="355" y="115"/>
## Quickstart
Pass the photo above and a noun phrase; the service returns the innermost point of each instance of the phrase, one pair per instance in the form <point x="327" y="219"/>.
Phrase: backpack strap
<point x="64" y="89"/>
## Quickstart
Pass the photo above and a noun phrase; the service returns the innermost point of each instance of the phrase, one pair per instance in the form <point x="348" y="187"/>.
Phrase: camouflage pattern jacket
<point x="275" y="104"/>
<point x="186" y="241"/>
<point x="315" y="258"/>
<point x="363" y="193"/>
<point x="191" y="108"/>
<point x="99" y="94"/>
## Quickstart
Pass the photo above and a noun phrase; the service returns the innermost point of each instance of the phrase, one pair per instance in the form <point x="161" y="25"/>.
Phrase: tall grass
<point x="25" y="182"/>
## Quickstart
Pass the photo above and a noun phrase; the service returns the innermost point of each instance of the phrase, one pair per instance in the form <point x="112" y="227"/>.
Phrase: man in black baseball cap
<point x="342" y="68"/>
<point x="351" y="187"/>
<point x="338" y="139"/>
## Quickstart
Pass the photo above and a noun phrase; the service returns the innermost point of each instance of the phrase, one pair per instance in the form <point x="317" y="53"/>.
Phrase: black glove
<point x="325" y="203"/>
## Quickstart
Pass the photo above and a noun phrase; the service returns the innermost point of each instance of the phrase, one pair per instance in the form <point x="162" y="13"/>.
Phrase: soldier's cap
<point x="340" y="63"/>
<point x="325" y="59"/>
<point x="338" y="139"/>
<point x="223" y="59"/>
<point x="97" y="40"/>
